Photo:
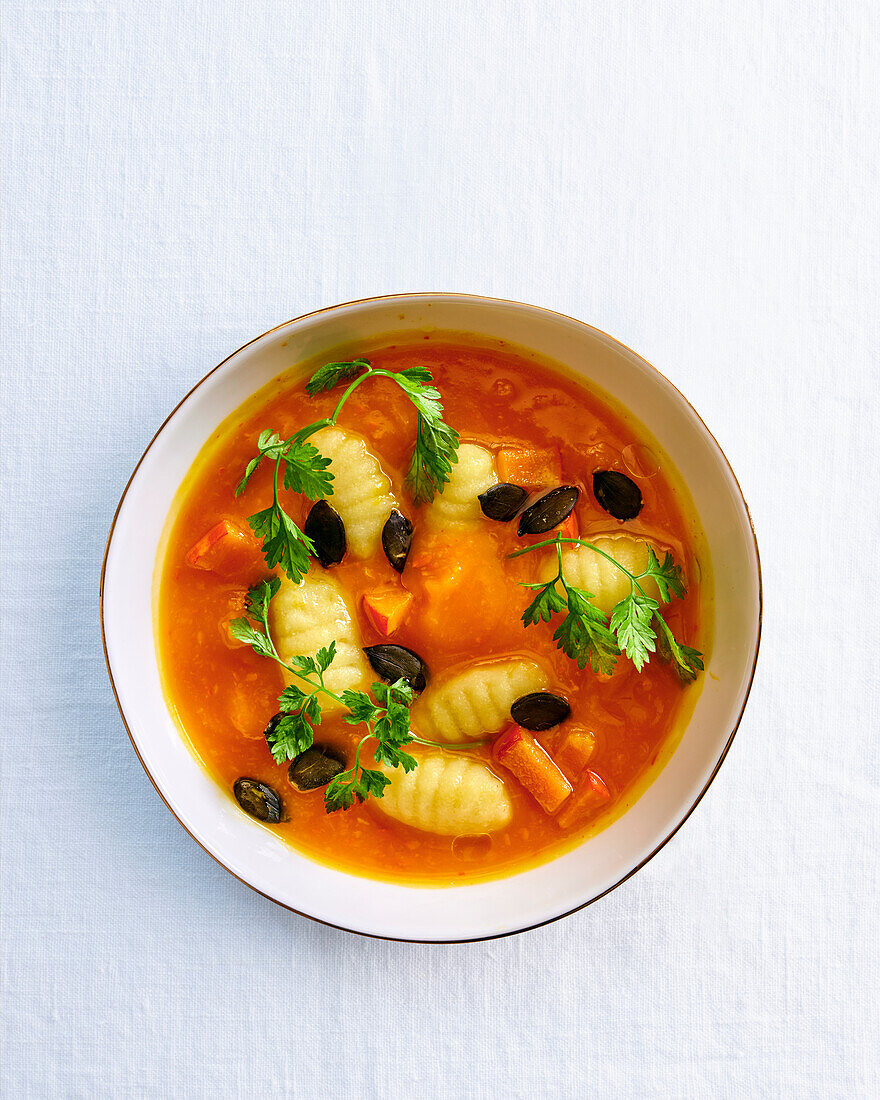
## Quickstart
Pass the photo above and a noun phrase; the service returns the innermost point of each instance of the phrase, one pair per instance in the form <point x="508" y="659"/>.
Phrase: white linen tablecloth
<point x="699" y="180"/>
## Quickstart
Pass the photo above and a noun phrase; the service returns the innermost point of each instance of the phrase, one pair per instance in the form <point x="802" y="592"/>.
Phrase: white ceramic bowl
<point x="430" y="914"/>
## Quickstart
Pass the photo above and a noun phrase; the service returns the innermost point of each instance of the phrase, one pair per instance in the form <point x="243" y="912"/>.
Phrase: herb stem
<point x="357" y="753"/>
<point x="329" y="421"/>
<point x="558" y="543"/>
<point x="460" y="747"/>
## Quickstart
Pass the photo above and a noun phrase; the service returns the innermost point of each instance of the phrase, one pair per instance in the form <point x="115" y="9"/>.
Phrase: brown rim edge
<point x="721" y="758"/>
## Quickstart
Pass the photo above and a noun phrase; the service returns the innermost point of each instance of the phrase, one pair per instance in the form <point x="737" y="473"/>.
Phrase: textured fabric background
<point x="699" y="180"/>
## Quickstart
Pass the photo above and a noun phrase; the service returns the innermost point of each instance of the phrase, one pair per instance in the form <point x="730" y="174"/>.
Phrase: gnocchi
<point x="448" y="795"/>
<point x="306" y="616"/>
<point x="588" y="570"/>
<point x="473" y="474"/>
<point x="477" y="701"/>
<point x="361" y="489"/>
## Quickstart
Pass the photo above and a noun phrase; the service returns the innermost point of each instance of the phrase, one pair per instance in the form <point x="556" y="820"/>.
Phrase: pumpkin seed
<point x="502" y="502"/>
<point x="617" y="494"/>
<point x="325" y="528"/>
<point x="548" y="511"/>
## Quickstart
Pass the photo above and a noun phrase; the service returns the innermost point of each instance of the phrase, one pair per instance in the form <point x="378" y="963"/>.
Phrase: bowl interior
<point x="364" y="905"/>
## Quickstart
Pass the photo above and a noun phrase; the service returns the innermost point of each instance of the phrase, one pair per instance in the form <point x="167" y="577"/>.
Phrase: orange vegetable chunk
<point x="575" y="751"/>
<point x="228" y="551"/>
<point x="530" y="467"/>
<point x="386" y="609"/>
<point x="521" y="754"/>
<point x="588" y="799"/>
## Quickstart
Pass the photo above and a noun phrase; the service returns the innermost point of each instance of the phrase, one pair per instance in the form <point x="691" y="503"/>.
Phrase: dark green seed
<point x="617" y="494"/>
<point x="396" y="662"/>
<point x="397" y="536"/>
<point x="258" y="799"/>
<point x="315" y="768"/>
<point x="540" y="710"/>
<point x="548" y="511"/>
<point x="325" y="528"/>
<point x="502" y="502"/>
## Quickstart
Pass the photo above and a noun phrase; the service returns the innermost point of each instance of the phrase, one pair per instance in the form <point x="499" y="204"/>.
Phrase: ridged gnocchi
<point x="477" y="701"/>
<point x="588" y="570"/>
<point x="446" y="794"/>
<point x="361" y="489"/>
<point x="306" y="616"/>
<point x="473" y="474"/>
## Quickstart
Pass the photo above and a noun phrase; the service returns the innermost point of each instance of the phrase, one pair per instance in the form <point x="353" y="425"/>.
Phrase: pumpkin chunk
<point x="530" y="467"/>
<point x="386" y="609"/>
<point x="575" y="751"/>
<point x="228" y="551"/>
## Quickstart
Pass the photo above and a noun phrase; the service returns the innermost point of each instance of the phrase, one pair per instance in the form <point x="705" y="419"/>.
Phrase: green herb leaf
<point x="305" y="470"/>
<point x="325" y="657"/>
<point x="315" y="666"/>
<point x="331" y="374"/>
<point x="436" y="447"/>
<point x="547" y="603"/>
<point x="270" y="443"/>
<point x="339" y="794"/>
<point x="291" y="735"/>
<point x="583" y="634"/>
<point x="292" y="698"/>
<point x="259" y="595"/>
<point x="361" y="707"/>
<point x="387" y="753"/>
<point x="248" y="472"/>
<point x="667" y="576"/>
<point x="391" y="727"/>
<point x="242" y="631"/>
<point x="256" y="604"/>
<point x="417" y="377"/>
<point x="283" y="542"/>
<point x="686" y="661"/>
<point x="387" y="717"/>
<point x="354" y="784"/>
<point x="371" y="783"/>
<point x="631" y="624"/>
<point x="390" y="694"/>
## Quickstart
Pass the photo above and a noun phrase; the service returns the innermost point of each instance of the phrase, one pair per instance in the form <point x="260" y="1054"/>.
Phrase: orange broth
<point x="467" y="604"/>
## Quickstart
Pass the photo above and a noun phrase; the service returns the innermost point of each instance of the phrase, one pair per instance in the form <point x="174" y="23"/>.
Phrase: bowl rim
<point x="478" y="298"/>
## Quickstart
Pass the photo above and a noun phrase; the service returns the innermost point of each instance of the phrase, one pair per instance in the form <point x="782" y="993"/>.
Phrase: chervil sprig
<point x="583" y="633"/>
<point x="331" y="374"/>
<point x="436" y="449"/>
<point x="635" y="628"/>
<point x="385" y="714"/>
<point x="305" y="469"/>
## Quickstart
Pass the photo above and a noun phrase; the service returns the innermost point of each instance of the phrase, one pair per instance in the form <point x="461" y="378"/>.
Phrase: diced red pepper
<point x="228" y="551"/>
<point x="590" y="797"/>
<point x="521" y="754"/>
<point x="386" y="609"/>
<point x="530" y="467"/>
